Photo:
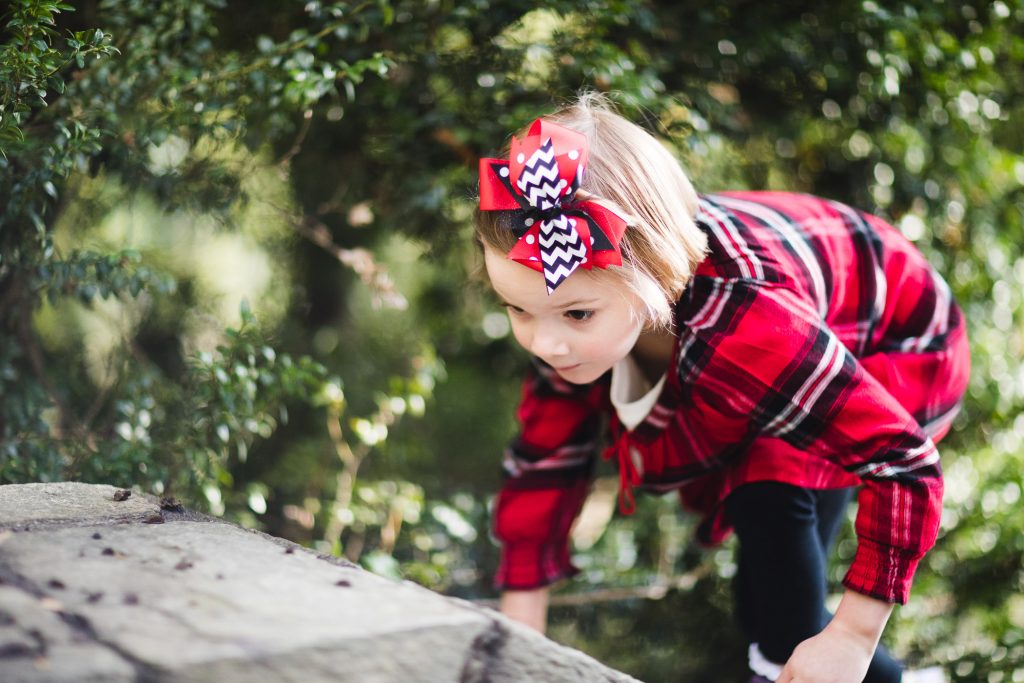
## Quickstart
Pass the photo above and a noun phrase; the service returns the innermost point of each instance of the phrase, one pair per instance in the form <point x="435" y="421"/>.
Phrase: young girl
<point x="761" y="352"/>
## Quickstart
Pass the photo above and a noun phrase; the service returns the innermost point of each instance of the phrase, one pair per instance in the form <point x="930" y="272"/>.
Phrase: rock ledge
<point x="93" y="589"/>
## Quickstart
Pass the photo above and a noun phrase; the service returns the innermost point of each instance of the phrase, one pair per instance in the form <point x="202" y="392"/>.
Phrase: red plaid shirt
<point x="815" y="346"/>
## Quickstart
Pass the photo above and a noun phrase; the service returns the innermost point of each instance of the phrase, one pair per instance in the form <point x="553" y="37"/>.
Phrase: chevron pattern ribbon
<point x="557" y="234"/>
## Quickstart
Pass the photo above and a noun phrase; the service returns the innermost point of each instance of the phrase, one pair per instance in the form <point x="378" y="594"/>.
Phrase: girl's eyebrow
<point x="579" y="303"/>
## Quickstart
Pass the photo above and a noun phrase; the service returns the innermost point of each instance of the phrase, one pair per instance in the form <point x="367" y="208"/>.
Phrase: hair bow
<point x="556" y="234"/>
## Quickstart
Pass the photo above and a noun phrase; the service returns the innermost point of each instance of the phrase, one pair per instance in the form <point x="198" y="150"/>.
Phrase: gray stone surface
<point x="36" y="644"/>
<point x="70" y="502"/>
<point x="92" y="589"/>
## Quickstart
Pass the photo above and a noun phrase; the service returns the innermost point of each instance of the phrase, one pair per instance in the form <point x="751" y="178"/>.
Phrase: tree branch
<point x="346" y="480"/>
<point x="307" y="120"/>
<point x="655" y="591"/>
<point x="361" y="261"/>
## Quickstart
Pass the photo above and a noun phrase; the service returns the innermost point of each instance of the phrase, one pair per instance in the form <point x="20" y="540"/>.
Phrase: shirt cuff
<point x="882" y="572"/>
<point x="525" y="566"/>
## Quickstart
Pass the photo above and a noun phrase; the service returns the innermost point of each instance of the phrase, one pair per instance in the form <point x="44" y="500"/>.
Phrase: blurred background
<point x="236" y="269"/>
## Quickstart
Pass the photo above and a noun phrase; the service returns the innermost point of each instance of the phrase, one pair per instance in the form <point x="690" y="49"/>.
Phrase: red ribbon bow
<point x="556" y="234"/>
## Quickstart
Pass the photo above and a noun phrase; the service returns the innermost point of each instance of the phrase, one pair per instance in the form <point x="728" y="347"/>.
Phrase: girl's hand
<point x="829" y="657"/>
<point x="528" y="607"/>
<point x="842" y="652"/>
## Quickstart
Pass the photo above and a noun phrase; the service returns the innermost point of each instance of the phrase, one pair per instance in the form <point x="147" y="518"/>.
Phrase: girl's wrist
<point x="861" y="618"/>
<point x="528" y="607"/>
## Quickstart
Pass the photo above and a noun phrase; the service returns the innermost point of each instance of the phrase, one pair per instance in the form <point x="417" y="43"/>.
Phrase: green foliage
<point x="88" y="274"/>
<point x="163" y="160"/>
<point x="241" y="393"/>
<point x="229" y="398"/>
<point x="162" y="110"/>
<point x="32" y="62"/>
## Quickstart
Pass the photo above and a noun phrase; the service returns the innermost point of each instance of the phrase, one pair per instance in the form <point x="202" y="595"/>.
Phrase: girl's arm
<point x="548" y="469"/>
<point x="768" y="366"/>
<point x="842" y="652"/>
<point x="529" y="607"/>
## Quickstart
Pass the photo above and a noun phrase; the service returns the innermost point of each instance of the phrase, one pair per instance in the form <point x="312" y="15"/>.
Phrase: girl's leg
<point x="785" y="533"/>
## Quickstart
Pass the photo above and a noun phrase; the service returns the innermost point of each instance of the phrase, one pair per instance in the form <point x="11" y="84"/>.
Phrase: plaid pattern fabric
<point x="815" y="347"/>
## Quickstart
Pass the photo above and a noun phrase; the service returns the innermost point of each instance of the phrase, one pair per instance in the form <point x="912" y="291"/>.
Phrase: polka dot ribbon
<point x="556" y="234"/>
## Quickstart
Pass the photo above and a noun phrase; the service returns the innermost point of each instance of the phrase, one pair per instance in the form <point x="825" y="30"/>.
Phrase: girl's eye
<point x="580" y="315"/>
<point x="512" y="309"/>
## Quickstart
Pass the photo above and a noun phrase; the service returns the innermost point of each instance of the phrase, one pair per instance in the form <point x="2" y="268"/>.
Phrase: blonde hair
<point x="634" y="174"/>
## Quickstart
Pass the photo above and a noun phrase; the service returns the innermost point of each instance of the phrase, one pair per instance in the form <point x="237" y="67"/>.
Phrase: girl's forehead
<point x="525" y="287"/>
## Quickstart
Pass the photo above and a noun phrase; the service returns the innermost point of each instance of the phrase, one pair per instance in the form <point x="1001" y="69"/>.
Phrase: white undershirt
<point x="632" y="395"/>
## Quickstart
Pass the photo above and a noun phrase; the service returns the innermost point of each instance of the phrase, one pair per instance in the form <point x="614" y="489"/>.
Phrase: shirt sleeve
<point x="755" y="360"/>
<point x="547" y="475"/>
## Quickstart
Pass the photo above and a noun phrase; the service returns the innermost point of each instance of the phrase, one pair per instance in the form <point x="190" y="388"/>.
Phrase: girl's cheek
<point x="519" y="333"/>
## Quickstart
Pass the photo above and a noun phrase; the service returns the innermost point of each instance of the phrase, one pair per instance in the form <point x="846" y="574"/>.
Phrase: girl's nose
<point x="548" y="344"/>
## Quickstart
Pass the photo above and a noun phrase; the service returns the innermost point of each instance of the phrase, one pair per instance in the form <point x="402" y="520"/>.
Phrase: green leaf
<point x="246" y="312"/>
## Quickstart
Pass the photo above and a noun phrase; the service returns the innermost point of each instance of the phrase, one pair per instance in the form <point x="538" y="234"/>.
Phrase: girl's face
<point x="583" y="328"/>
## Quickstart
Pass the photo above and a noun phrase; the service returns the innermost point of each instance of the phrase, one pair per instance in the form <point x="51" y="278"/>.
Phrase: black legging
<point x="785" y="536"/>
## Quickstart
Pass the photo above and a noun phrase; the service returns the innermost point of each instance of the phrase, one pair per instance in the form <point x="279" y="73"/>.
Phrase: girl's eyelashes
<point x="575" y="314"/>
<point x="580" y="315"/>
